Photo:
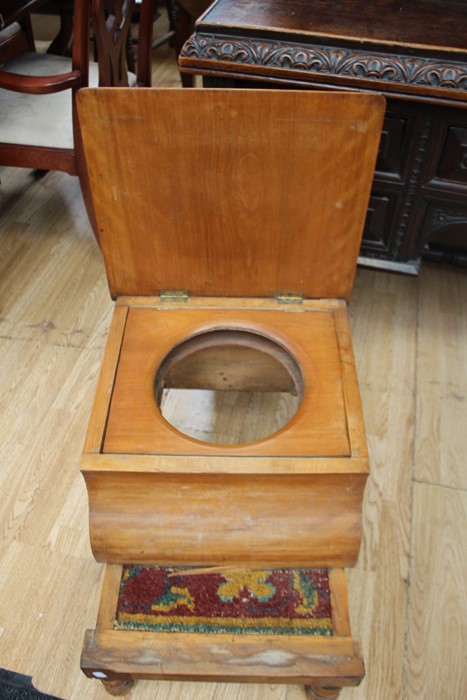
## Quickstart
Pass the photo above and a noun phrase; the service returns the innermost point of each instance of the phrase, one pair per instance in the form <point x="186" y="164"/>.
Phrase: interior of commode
<point x="228" y="386"/>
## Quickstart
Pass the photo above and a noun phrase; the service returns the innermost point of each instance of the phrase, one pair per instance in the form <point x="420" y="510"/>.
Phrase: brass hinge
<point x="173" y="295"/>
<point x="289" y="297"/>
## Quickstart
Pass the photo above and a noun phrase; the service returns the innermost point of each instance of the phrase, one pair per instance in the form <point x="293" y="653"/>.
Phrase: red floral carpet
<point x="262" y="601"/>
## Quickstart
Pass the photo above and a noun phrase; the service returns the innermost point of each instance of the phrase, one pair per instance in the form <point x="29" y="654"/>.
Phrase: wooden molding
<point x="406" y="71"/>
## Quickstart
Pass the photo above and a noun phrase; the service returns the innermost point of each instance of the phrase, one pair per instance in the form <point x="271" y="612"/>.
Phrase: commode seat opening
<point x="198" y="359"/>
<point x="228" y="386"/>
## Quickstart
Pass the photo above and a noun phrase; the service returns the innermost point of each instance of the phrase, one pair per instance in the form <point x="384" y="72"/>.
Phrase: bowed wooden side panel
<point x="197" y="519"/>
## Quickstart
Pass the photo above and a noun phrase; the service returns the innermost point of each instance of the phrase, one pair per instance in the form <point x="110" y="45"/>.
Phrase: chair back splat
<point x="112" y="21"/>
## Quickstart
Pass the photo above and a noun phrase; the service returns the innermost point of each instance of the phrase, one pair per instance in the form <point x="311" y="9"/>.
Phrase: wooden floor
<point x="408" y="592"/>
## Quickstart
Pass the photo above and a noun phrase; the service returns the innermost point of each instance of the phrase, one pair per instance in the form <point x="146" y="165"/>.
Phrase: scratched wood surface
<point x="406" y="596"/>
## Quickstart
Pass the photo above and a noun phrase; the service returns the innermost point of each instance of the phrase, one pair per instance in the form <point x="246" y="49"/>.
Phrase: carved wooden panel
<point x="380" y="223"/>
<point x="322" y="61"/>
<point x="453" y="162"/>
<point x="392" y="145"/>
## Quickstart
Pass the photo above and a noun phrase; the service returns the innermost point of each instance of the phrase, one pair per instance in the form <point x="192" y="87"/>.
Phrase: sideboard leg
<point x="314" y="692"/>
<point x="119" y="687"/>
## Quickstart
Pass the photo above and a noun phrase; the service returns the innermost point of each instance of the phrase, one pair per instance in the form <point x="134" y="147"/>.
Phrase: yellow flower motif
<point x="173" y="599"/>
<point x="254" y="581"/>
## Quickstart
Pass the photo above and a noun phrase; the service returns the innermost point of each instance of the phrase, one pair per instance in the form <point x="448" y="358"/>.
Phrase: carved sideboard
<point x="413" y="52"/>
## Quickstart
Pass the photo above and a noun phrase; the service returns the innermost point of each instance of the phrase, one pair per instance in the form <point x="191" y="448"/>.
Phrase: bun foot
<point x="119" y="687"/>
<point x="314" y="692"/>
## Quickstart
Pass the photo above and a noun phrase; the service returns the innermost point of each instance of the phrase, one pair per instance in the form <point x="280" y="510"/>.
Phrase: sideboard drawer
<point x="392" y="145"/>
<point x="380" y="228"/>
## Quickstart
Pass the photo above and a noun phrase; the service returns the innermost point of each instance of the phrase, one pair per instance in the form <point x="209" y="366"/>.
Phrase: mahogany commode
<point x="210" y="199"/>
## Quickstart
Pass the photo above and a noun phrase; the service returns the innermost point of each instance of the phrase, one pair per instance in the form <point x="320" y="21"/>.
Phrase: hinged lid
<point x="230" y="192"/>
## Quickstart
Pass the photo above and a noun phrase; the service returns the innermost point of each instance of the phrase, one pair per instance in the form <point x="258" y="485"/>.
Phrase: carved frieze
<point x="345" y="62"/>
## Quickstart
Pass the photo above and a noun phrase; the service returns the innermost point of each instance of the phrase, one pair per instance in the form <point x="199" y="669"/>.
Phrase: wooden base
<point x="322" y="664"/>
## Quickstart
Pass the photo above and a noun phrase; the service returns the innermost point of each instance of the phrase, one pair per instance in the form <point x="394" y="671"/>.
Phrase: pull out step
<point x="259" y="625"/>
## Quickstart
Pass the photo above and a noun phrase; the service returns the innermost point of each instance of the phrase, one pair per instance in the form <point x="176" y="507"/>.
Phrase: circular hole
<point x="228" y="386"/>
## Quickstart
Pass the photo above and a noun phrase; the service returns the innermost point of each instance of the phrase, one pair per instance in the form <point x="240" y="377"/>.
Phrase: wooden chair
<point x="15" y="38"/>
<point x="39" y="126"/>
<point x="187" y="13"/>
<point x="16" y="35"/>
<point x="168" y="36"/>
<point x="15" y="27"/>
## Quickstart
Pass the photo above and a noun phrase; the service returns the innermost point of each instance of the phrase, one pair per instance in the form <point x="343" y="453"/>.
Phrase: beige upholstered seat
<point x="14" y="38"/>
<point x="38" y="122"/>
<point x="41" y="120"/>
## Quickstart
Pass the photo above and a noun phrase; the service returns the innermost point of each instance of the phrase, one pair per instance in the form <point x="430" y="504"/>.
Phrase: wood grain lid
<point x="230" y="192"/>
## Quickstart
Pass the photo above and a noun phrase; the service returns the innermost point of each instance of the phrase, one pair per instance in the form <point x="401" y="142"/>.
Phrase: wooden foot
<point x="119" y="687"/>
<point x="314" y="692"/>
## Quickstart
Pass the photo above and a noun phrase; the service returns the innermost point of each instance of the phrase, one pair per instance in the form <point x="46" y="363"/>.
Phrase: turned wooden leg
<point x="119" y="687"/>
<point x="314" y="692"/>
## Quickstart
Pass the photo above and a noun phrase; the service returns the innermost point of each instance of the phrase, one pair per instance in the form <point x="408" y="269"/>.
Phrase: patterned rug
<point x="262" y="601"/>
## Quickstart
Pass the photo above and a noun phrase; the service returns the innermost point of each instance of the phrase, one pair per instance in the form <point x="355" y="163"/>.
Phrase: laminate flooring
<point x="407" y="594"/>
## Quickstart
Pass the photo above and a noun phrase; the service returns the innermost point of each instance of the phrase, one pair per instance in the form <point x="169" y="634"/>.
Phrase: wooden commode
<point x="230" y="224"/>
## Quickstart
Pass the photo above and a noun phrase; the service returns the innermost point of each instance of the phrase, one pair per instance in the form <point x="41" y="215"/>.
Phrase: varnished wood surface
<point x="257" y="191"/>
<point x="408" y="589"/>
<point x="436" y="23"/>
<point x="228" y="519"/>
<point x="319" y="428"/>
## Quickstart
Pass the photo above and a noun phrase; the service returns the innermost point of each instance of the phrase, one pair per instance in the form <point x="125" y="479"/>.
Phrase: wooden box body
<point x="215" y="195"/>
<point x="294" y="499"/>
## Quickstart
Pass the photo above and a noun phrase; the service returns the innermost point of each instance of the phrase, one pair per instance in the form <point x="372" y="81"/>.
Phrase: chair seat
<point x="26" y="119"/>
<point x="10" y="31"/>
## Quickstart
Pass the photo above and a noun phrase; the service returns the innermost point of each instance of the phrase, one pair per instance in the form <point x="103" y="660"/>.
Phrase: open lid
<point x="230" y="192"/>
